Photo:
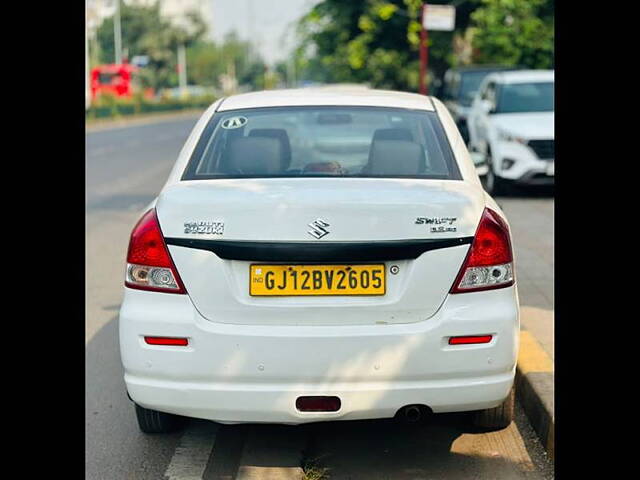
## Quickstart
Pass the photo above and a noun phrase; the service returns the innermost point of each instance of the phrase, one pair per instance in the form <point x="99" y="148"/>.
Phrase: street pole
<point x="117" y="34"/>
<point x="424" y="53"/>
<point x="182" y="69"/>
<point x="87" y="80"/>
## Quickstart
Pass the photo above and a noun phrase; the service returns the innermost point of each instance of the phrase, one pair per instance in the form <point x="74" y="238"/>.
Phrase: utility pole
<point x="440" y="18"/>
<point x="424" y="52"/>
<point x="117" y="34"/>
<point x="182" y="69"/>
<point x="87" y="79"/>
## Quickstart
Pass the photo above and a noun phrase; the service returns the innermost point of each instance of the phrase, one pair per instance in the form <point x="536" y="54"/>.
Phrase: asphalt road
<point x="125" y="169"/>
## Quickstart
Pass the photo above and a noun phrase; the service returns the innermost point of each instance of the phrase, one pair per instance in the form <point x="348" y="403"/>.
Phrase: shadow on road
<point x="446" y="447"/>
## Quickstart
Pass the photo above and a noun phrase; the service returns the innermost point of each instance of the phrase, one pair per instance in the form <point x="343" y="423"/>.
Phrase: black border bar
<point x="319" y="251"/>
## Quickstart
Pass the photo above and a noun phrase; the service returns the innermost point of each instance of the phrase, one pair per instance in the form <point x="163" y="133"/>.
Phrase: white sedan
<point x="321" y="254"/>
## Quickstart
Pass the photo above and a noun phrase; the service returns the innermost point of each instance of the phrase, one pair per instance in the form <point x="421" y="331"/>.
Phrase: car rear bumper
<point x="275" y="403"/>
<point x="250" y="373"/>
<point x="536" y="177"/>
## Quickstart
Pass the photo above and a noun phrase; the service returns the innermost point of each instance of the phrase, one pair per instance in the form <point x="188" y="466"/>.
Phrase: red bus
<point x="118" y="80"/>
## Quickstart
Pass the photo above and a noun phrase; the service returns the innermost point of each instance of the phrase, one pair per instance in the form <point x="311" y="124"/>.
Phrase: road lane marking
<point x="192" y="453"/>
<point x="531" y="357"/>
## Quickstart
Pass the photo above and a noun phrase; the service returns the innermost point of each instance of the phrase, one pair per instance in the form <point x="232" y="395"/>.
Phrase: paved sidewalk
<point x="531" y="220"/>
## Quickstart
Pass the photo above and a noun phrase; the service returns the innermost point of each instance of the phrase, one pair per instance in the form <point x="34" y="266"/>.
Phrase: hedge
<point x="113" y="107"/>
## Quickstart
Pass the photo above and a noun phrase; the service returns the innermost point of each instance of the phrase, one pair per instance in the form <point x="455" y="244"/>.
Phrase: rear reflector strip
<point x="318" y="404"/>
<point x="470" y="340"/>
<point x="180" y="342"/>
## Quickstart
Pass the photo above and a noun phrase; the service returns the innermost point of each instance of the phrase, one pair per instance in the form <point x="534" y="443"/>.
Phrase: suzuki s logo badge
<point x="318" y="228"/>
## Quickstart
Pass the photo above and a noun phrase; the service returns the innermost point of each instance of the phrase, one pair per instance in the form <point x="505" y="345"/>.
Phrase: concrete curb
<point x="534" y="388"/>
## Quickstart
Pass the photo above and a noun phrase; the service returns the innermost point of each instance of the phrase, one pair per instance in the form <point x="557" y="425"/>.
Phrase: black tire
<point x="499" y="417"/>
<point x="152" y="421"/>
<point x="492" y="183"/>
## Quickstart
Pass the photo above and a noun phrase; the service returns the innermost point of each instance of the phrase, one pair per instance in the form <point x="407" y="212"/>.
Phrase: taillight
<point x="489" y="263"/>
<point x="149" y="265"/>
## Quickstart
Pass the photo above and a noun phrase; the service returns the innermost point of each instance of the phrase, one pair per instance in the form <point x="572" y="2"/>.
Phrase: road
<point x="125" y="169"/>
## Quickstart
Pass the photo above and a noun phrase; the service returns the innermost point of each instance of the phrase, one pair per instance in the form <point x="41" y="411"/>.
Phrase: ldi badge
<point x="444" y="224"/>
<point x="212" y="228"/>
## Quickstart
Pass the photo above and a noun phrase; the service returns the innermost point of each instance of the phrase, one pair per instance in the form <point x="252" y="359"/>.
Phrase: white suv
<point x="320" y="254"/>
<point x="511" y="123"/>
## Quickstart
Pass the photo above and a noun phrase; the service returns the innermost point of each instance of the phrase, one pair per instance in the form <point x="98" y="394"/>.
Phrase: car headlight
<point x="509" y="137"/>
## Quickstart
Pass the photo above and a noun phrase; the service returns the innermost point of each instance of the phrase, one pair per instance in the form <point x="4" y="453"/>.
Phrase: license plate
<point x="551" y="169"/>
<point x="304" y="280"/>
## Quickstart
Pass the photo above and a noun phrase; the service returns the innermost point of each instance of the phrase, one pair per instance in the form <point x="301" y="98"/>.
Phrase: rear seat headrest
<point x="392" y="134"/>
<point x="396" y="157"/>
<point x="255" y="156"/>
<point x="281" y="135"/>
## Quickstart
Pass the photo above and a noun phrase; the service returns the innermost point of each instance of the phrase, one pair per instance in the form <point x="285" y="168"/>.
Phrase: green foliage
<point x="358" y="41"/>
<point x="377" y="42"/>
<point x="207" y="61"/>
<point x="369" y="41"/>
<point x="107" y="105"/>
<point x="146" y="32"/>
<point x="514" y="32"/>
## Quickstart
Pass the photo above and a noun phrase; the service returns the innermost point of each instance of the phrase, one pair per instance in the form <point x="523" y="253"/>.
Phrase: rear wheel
<point x="152" y="421"/>
<point x="492" y="183"/>
<point x="499" y="417"/>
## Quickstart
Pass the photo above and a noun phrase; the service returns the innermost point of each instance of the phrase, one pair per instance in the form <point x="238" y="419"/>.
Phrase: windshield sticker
<point x="234" y="122"/>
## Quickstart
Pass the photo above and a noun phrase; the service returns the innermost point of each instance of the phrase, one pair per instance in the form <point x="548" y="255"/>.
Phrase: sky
<point x="271" y="21"/>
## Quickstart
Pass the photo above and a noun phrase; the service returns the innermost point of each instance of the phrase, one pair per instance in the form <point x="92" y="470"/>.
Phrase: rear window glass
<point x="323" y="141"/>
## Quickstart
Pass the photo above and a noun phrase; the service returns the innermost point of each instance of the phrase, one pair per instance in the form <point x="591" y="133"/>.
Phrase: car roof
<point x="328" y="96"/>
<point x="483" y="68"/>
<point x="523" y="76"/>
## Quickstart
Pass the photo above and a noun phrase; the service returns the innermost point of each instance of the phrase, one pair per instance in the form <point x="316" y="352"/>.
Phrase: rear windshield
<point x="323" y="141"/>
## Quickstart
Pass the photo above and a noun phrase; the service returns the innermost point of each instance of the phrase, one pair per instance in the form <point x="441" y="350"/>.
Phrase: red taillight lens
<point x="470" y="340"/>
<point x="489" y="263"/>
<point x="149" y="265"/>
<point x="172" y="341"/>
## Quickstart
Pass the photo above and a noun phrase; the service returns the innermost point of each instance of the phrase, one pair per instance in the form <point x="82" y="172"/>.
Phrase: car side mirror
<point x="486" y="106"/>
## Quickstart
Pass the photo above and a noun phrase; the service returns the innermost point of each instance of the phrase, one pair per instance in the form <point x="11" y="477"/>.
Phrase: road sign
<point x="439" y="17"/>
<point x="140" y="60"/>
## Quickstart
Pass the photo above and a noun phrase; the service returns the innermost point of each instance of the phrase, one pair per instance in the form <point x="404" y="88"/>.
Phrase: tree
<point x="207" y="61"/>
<point x="514" y="32"/>
<point x="146" y="32"/>
<point x="377" y="42"/>
<point x="371" y="41"/>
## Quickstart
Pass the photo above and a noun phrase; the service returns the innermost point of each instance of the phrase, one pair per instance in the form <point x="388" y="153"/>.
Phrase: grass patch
<point x="312" y="471"/>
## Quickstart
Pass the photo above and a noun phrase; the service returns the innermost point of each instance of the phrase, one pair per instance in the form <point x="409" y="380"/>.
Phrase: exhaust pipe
<point x="413" y="413"/>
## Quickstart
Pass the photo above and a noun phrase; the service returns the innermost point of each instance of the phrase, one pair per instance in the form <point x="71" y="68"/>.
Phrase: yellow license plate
<point x="302" y="280"/>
